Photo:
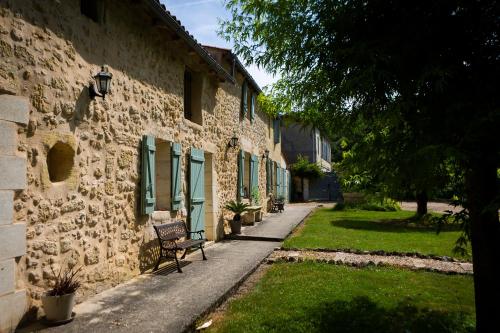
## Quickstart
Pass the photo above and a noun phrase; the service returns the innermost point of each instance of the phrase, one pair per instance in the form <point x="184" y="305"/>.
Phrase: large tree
<point x="432" y="66"/>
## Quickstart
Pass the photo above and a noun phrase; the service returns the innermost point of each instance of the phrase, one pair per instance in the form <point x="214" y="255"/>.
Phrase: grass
<point x="370" y="230"/>
<point x="317" y="297"/>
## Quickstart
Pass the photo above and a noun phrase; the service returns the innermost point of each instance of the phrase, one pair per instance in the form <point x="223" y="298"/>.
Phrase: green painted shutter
<point x="148" y="199"/>
<point x="289" y="186"/>
<point x="268" y="176"/>
<point x="197" y="191"/>
<point x="176" y="177"/>
<point x="252" y="107"/>
<point x="241" y="174"/>
<point x="278" y="181"/>
<point x="284" y="184"/>
<point x="244" y="98"/>
<point x="254" y="173"/>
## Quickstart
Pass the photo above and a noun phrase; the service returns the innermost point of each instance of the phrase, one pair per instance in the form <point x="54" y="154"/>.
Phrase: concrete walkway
<point x="167" y="301"/>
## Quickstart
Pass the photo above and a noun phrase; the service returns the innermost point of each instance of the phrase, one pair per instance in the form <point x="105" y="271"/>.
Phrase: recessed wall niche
<point x="60" y="171"/>
<point x="60" y="162"/>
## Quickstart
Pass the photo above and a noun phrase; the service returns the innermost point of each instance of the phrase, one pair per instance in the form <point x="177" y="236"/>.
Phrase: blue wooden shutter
<point x="176" y="177"/>
<point x="197" y="191"/>
<point x="252" y="107"/>
<point x="254" y="173"/>
<point x="148" y="199"/>
<point x="278" y="181"/>
<point x="244" y="98"/>
<point x="241" y="174"/>
<point x="268" y="176"/>
<point x="276" y="127"/>
<point x="289" y="194"/>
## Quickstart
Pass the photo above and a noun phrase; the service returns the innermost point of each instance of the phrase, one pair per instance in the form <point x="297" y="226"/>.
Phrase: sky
<point x="200" y="17"/>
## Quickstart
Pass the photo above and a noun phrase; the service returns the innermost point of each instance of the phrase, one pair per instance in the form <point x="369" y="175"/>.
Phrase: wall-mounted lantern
<point x="233" y="142"/>
<point x="266" y="154"/>
<point x="102" y="84"/>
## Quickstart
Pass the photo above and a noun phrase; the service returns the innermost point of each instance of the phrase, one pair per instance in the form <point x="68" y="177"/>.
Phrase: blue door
<point x="197" y="191"/>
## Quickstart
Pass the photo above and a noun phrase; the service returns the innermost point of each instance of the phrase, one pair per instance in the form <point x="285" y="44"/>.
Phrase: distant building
<point x="307" y="141"/>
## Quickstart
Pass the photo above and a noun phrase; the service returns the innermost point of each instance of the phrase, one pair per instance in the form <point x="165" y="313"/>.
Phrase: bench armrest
<point x="196" y="232"/>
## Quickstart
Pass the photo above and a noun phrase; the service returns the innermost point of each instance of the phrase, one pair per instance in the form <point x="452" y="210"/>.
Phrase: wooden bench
<point x="169" y="235"/>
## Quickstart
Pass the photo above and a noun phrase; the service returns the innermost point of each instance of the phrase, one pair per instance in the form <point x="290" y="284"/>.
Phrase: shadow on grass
<point x="363" y="315"/>
<point x="397" y="226"/>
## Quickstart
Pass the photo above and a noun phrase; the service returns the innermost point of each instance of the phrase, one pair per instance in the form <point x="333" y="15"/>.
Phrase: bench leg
<point x="184" y="255"/>
<point x="203" y="252"/>
<point x="158" y="262"/>
<point x="177" y="262"/>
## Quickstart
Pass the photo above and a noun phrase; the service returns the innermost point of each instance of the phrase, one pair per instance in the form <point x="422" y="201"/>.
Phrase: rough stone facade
<point x="83" y="170"/>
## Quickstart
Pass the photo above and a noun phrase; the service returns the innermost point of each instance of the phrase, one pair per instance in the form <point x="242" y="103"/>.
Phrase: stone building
<point x="310" y="143"/>
<point x="82" y="180"/>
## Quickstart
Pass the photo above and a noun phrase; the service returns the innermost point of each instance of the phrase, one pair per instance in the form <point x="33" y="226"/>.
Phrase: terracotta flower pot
<point x="58" y="308"/>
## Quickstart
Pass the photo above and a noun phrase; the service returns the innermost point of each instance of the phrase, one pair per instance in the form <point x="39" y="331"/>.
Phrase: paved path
<point x="343" y="258"/>
<point x="168" y="301"/>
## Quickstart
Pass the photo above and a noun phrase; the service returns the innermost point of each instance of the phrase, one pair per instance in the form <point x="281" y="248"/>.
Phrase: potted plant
<point x="59" y="301"/>
<point x="256" y="202"/>
<point x="238" y="208"/>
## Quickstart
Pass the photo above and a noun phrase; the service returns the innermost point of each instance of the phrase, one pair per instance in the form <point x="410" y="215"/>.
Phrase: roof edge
<point x="161" y="11"/>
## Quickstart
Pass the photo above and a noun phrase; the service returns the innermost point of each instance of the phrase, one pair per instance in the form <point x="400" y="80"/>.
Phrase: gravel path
<point x="360" y="260"/>
<point x="439" y="207"/>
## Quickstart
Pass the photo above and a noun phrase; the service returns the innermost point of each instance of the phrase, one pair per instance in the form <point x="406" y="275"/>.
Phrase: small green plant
<point x="237" y="207"/>
<point x="255" y="196"/>
<point x="67" y="282"/>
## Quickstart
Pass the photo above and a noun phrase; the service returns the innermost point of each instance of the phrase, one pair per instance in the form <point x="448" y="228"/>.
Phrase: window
<point x="193" y="87"/>
<point x="244" y="98"/>
<point x="94" y="10"/>
<point x="160" y="175"/>
<point x="277" y="130"/>
<point x="247" y="176"/>
<point x="163" y="175"/>
<point x="252" y="107"/>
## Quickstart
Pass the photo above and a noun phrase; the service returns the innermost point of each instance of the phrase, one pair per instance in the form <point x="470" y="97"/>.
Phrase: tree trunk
<point x="481" y="182"/>
<point x="422" y="200"/>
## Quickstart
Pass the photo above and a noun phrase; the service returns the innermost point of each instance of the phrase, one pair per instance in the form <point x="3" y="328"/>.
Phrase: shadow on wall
<point x="363" y="315"/>
<point x="149" y="253"/>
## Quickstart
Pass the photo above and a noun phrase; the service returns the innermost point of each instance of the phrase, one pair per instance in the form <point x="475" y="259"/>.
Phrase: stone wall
<point x="13" y="112"/>
<point x="85" y="212"/>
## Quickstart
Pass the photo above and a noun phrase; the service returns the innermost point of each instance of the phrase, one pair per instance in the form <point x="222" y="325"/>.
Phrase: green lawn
<point x="370" y="230"/>
<point x="317" y="297"/>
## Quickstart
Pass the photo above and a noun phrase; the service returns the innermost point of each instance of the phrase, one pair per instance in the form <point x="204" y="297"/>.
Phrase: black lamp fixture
<point x="233" y="142"/>
<point x="102" y="84"/>
<point x="266" y="154"/>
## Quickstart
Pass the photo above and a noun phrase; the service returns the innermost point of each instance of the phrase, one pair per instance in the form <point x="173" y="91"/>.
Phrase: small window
<point x="244" y="99"/>
<point x="94" y="10"/>
<point x="246" y="179"/>
<point x="193" y="87"/>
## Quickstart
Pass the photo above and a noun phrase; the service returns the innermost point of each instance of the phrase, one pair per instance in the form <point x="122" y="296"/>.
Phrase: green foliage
<point x="374" y="230"/>
<point x="319" y="297"/>
<point x="372" y="203"/>
<point x="412" y="86"/>
<point x="255" y="195"/>
<point x="237" y="207"/>
<point x="305" y="169"/>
